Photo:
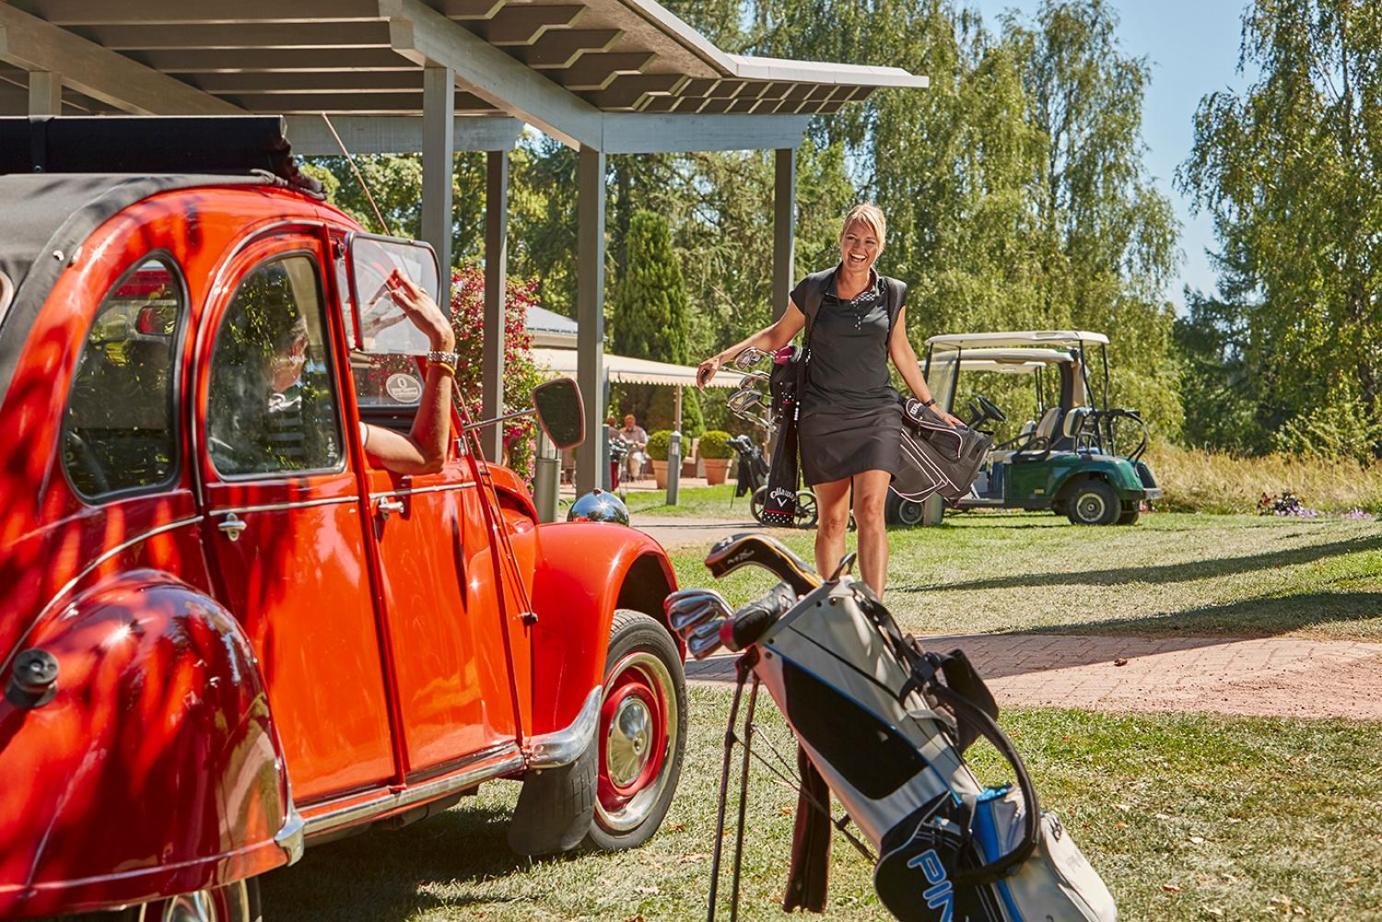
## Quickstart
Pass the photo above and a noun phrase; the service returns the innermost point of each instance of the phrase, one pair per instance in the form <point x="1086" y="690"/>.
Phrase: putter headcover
<point x="771" y="554"/>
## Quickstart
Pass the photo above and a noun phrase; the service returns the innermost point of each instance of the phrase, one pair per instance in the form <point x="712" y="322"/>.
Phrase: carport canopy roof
<point x="1018" y="339"/>
<point x="623" y="369"/>
<point x="577" y="69"/>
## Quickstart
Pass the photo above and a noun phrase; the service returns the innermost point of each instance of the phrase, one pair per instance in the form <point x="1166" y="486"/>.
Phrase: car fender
<point x="158" y="736"/>
<point x="584" y="571"/>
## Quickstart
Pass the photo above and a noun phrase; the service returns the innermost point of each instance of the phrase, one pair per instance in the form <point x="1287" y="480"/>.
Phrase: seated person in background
<point x="423" y="449"/>
<point x="638" y="444"/>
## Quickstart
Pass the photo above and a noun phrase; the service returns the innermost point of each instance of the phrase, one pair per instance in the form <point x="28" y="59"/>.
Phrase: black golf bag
<point x="752" y="472"/>
<point x="884" y="725"/>
<point x="936" y="457"/>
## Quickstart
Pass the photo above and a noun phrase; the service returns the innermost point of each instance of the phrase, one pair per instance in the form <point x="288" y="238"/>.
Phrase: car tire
<point x="235" y="902"/>
<point x="1093" y="502"/>
<point x="641" y="737"/>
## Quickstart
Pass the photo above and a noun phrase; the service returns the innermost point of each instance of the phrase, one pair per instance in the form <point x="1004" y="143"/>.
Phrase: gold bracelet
<point x="450" y="369"/>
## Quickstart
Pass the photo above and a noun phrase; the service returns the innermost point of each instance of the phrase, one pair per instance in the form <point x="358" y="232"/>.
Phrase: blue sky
<point x="1192" y="49"/>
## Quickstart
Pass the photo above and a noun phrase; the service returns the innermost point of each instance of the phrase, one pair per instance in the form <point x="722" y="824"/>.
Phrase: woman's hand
<point x="947" y="418"/>
<point x="706" y="370"/>
<point x="422" y="311"/>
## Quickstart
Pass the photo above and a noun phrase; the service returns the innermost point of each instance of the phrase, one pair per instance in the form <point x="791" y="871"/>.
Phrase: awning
<point x="625" y="370"/>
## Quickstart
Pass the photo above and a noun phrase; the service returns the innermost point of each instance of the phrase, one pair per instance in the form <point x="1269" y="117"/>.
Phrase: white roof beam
<point x="32" y="44"/>
<point x="396" y="134"/>
<point x="648" y="133"/>
<point x="424" y="36"/>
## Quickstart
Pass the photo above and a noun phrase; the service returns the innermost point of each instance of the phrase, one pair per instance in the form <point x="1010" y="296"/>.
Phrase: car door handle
<point x="384" y="506"/>
<point x="231" y="526"/>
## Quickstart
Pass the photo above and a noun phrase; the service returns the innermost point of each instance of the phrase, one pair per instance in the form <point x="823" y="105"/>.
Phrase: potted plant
<point x="658" y="443"/>
<point x="715" y="451"/>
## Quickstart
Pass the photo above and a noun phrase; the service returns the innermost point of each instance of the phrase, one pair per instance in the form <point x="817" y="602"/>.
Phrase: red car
<point x="223" y="633"/>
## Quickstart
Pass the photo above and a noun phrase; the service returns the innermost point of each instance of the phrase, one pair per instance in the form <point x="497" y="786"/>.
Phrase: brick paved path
<point x="1286" y="677"/>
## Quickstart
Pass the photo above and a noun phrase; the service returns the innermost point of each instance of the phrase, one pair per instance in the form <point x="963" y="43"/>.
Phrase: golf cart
<point x="1066" y="457"/>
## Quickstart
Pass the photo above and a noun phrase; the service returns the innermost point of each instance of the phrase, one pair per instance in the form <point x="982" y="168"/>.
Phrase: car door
<point x="446" y="630"/>
<point x="283" y="514"/>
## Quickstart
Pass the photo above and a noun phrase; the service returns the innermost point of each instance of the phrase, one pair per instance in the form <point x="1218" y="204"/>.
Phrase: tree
<point x="1291" y="172"/>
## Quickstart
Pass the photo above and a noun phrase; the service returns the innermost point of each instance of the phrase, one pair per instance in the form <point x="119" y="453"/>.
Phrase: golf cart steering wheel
<point x="983" y="409"/>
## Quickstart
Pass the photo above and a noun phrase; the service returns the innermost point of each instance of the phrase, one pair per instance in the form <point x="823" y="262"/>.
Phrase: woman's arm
<point x="423" y="449"/>
<point x="769" y="339"/>
<point x="905" y="358"/>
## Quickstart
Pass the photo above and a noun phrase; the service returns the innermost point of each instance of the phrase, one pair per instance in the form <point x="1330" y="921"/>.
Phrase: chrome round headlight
<point x="599" y="506"/>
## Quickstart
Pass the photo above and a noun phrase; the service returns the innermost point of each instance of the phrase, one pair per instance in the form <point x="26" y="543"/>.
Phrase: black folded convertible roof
<point x="233" y="145"/>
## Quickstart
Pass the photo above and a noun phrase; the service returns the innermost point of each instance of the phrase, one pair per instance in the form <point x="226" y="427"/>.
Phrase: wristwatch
<point x="446" y="358"/>
<point x="929" y="403"/>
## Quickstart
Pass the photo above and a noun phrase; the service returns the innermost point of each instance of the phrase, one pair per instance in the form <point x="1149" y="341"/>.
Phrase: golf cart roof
<point x="1019" y="339"/>
<point x="1012" y="361"/>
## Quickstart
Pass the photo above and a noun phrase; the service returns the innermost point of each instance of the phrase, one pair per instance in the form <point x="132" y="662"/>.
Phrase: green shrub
<point x="658" y="443"/>
<point x="715" y="444"/>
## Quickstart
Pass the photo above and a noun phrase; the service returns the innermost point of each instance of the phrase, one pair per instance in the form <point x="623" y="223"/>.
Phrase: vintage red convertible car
<point x="223" y="637"/>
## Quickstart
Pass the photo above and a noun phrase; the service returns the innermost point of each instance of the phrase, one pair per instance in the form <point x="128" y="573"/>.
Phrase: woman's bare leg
<point x="870" y="494"/>
<point x="832" y="509"/>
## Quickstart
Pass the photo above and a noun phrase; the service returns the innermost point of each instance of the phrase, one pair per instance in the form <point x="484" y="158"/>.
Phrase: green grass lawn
<point x="1170" y="574"/>
<point x="1185" y="816"/>
<point x="694" y="502"/>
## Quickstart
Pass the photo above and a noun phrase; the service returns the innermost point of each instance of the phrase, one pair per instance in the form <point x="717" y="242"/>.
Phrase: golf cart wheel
<point x="641" y="735"/>
<point x="806" y="516"/>
<point x="756" y="501"/>
<point x="1093" y="502"/>
<point x="235" y="902"/>
<point x="910" y="512"/>
<point x="1130" y="517"/>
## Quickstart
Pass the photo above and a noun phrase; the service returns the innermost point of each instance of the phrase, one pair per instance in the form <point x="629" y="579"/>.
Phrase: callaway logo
<point x="782" y="495"/>
<point x="941" y="894"/>
<point x="743" y="555"/>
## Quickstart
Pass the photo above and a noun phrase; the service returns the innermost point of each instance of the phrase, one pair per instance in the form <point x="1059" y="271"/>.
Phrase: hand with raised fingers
<point x="422" y="311"/>
<point x="706" y="370"/>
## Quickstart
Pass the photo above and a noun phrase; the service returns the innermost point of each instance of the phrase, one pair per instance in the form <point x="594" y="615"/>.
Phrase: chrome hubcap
<point x="629" y="743"/>
<point x="1091" y="507"/>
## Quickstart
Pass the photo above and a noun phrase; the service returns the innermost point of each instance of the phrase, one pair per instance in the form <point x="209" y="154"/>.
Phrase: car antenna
<point x="359" y="177"/>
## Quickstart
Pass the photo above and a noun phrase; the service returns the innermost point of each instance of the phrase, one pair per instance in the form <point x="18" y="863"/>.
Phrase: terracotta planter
<point x="715" y="470"/>
<point x="660" y="474"/>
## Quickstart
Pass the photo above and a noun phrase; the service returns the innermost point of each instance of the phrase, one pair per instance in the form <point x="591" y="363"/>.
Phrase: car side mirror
<point x="560" y="412"/>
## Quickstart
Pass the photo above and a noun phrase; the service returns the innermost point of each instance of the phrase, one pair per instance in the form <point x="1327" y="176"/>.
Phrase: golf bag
<point x="752" y="470"/>
<point x="936" y="457"/>
<point x="885" y="725"/>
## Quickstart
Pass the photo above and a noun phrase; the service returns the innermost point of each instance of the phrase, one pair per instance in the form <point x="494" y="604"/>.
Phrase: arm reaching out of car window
<point x="423" y="449"/>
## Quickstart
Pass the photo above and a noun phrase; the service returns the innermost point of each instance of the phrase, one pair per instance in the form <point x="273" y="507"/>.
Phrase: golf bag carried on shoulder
<point x="885" y="726"/>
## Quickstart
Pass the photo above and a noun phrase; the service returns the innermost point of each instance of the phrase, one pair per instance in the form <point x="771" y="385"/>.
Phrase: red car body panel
<point x="332" y="664"/>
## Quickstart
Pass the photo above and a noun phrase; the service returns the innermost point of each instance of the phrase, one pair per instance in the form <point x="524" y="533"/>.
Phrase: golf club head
<point x="704" y="639"/>
<point x="691" y="612"/>
<point x="747" y="548"/>
<point x="748" y="358"/>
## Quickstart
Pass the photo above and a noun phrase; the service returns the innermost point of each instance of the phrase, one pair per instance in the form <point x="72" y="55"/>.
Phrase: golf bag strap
<point x="1031" y="825"/>
<point x="810" y="869"/>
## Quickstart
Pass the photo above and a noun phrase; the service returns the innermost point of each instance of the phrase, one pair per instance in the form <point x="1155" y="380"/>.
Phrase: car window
<point x="271" y="404"/>
<point x="118" y="433"/>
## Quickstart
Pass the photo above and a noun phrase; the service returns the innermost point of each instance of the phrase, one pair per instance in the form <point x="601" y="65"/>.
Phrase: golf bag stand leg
<point x="743" y="668"/>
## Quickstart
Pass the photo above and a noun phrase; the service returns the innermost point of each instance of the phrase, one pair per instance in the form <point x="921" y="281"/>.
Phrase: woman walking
<point x="850" y="419"/>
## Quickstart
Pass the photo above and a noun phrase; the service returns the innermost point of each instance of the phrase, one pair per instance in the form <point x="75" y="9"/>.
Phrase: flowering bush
<point x="521" y="375"/>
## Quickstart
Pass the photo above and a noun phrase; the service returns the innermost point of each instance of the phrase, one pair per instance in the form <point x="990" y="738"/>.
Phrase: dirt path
<point x="1274" y="677"/>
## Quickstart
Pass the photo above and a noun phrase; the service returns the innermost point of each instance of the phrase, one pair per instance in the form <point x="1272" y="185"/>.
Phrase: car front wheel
<point x="642" y="732"/>
<point x="1093" y="502"/>
<point x="235" y="902"/>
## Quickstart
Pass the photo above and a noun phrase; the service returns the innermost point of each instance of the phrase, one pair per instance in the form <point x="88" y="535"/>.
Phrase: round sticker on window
<point x="403" y="388"/>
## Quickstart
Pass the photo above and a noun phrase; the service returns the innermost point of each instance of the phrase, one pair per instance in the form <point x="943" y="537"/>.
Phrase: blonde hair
<point x="871" y="215"/>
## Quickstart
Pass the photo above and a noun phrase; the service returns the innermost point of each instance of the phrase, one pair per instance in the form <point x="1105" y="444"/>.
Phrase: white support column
<point x="45" y="93"/>
<point x="438" y="164"/>
<point x="496" y="277"/>
<point x="784" y="210"/>
<point x="591" y="457"/>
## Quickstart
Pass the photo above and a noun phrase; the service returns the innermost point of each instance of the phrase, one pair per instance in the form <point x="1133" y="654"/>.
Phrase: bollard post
<point x="673" y="468"/>
<point x="546" y="479"/>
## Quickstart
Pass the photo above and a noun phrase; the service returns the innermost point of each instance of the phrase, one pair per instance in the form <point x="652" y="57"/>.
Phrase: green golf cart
<point x="1066" y="457"/>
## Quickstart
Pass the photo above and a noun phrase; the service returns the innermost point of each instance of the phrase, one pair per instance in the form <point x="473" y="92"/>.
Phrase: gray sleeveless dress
<point x="851" y="416"/>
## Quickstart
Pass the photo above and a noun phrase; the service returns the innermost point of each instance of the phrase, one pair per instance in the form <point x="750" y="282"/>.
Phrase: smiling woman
<point x="849" y="416"/>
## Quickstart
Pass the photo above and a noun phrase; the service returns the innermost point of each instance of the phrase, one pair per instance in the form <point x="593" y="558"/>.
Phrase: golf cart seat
<point x="1039" y="443"/>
